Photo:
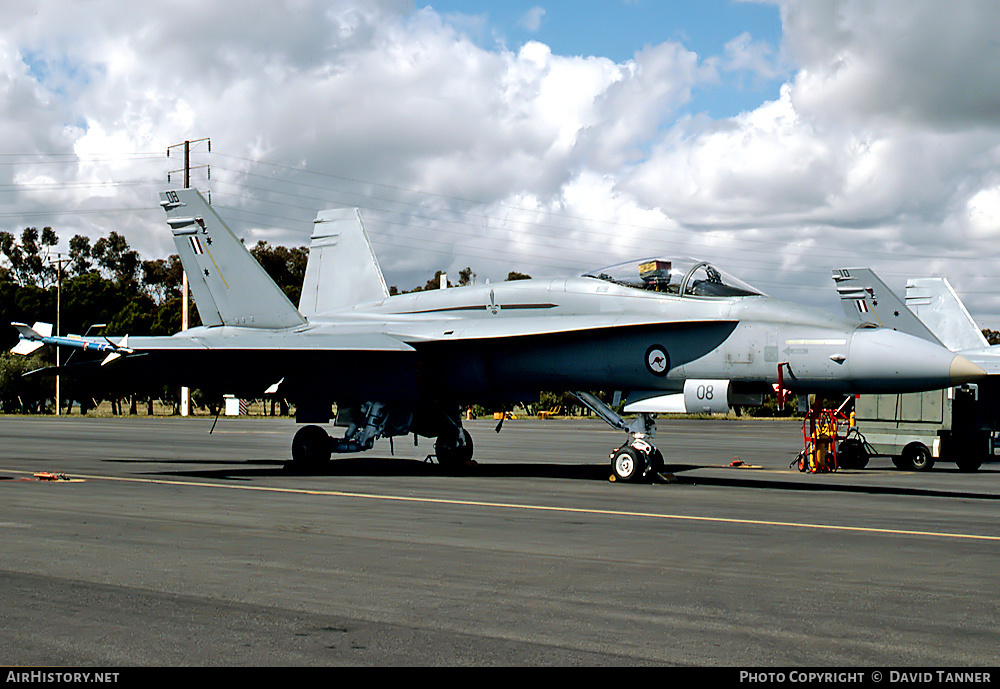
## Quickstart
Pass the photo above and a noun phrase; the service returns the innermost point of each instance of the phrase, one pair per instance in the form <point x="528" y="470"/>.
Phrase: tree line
<point x="108" y="282"/>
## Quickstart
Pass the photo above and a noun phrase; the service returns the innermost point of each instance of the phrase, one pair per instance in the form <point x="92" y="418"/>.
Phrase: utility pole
<point x="58" y="262"/>
<point x="186" y="392"/>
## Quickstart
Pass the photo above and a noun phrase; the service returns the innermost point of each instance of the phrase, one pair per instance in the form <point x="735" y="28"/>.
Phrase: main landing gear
<point x="638" y="459"/>
<point x="453" y="449"/>
<point x="312" y="447"/>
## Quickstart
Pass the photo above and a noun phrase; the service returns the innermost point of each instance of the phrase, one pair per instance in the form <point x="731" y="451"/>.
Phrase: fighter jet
<point x="932" y="310"/>
<point x="671" y="334"/>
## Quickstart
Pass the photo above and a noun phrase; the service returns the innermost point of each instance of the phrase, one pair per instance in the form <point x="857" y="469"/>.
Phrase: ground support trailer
<point x="957" y="424"/>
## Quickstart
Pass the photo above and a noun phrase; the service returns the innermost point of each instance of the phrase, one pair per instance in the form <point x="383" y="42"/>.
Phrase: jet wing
<point x="231" y="339"/>
<point x="219" y="338"/>
<point x="248" y="362"/>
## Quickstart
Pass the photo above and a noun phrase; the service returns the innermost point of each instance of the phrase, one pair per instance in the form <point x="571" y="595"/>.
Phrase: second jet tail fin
<point x="937" y="305"/>
<point x="865" y="297"/>
<point x="229" y="286"/>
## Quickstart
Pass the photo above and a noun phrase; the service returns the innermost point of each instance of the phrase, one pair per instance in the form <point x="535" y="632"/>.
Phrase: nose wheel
<point x="636" y="461"/>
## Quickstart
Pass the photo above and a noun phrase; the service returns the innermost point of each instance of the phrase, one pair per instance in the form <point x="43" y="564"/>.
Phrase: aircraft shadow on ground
<point x="391" y="466"/>
<point x="683" y="474"/>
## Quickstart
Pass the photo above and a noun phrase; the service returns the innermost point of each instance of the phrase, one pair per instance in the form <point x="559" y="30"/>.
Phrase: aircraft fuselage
<point x="511" y="340"/>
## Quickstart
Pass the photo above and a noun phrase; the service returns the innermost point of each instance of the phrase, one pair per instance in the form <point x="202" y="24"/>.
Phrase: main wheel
<point x="916" y="456"/>
<point x="454" y="451"/>
<point x="311" y="447"/>
<point x="628" y="464"/>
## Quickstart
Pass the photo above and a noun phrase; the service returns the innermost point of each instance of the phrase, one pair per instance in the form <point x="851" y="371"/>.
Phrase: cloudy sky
<point x="779" y="139"/>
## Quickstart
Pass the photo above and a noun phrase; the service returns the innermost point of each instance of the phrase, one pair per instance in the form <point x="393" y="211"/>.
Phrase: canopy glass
<point x="682" y="276"/>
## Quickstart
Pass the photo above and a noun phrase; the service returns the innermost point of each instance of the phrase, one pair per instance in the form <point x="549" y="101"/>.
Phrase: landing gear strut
<point x="637" y="459"/>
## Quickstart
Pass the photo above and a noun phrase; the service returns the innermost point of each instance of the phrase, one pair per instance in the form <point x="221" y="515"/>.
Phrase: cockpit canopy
<point x="681" y="276"/>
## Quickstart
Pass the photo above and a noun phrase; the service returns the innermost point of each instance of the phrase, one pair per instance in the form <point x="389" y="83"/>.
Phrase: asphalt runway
<point x="168" y="546"/>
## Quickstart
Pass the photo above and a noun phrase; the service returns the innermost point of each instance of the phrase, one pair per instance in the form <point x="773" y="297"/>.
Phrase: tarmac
<point x="151" y="542"/>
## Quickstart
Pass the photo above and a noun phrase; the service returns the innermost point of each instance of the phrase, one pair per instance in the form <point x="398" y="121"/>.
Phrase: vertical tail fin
<point x="935" y="303"/>
<point x="342" y="269"/>
<point x="229" y="286"/>
<point x="865" y="297"/>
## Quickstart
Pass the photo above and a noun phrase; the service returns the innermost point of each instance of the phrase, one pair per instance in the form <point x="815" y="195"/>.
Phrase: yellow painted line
<point x="547" y="508"/>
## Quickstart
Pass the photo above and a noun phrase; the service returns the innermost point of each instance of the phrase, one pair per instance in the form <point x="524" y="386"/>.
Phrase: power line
<point x="464" y="219"/>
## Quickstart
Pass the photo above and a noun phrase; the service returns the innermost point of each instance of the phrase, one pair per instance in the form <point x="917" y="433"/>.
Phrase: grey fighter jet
<point x="674" y="335"/>
<point x="931" y="311"/>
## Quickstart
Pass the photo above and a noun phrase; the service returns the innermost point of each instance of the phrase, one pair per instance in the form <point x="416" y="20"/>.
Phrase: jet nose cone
<point x="964" y="371"/>
<point x="883" y="360"/>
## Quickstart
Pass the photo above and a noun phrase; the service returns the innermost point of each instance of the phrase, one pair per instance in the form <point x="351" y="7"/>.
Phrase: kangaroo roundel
<point x="657" y="360"/>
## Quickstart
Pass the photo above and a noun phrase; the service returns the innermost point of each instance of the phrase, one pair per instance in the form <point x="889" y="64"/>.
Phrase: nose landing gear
<point x="638" y="459"/>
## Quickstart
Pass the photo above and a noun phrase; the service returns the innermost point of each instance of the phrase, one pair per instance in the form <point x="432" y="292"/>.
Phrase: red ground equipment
<point x="820" y="429"/>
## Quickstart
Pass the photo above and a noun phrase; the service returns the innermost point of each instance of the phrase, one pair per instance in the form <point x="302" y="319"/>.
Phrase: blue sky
<point x="617" y="29"/>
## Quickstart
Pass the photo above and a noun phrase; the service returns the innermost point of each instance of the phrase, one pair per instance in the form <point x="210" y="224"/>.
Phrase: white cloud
<point x="532" y="19"/>
<point x="920" y="61"/>
<point x="984" y="214"/>
<point x="757" y="57"/>
<point x="881" y="149"/>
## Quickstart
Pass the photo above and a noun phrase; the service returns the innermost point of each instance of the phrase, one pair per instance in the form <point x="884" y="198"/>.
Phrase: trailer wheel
<point x="852" y="454"/>
<point x="968" y="464"/>
<point x="916" y="456"/>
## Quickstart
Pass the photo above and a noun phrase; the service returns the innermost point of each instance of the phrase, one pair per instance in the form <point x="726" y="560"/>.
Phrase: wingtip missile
<point x="39" y="334"/>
